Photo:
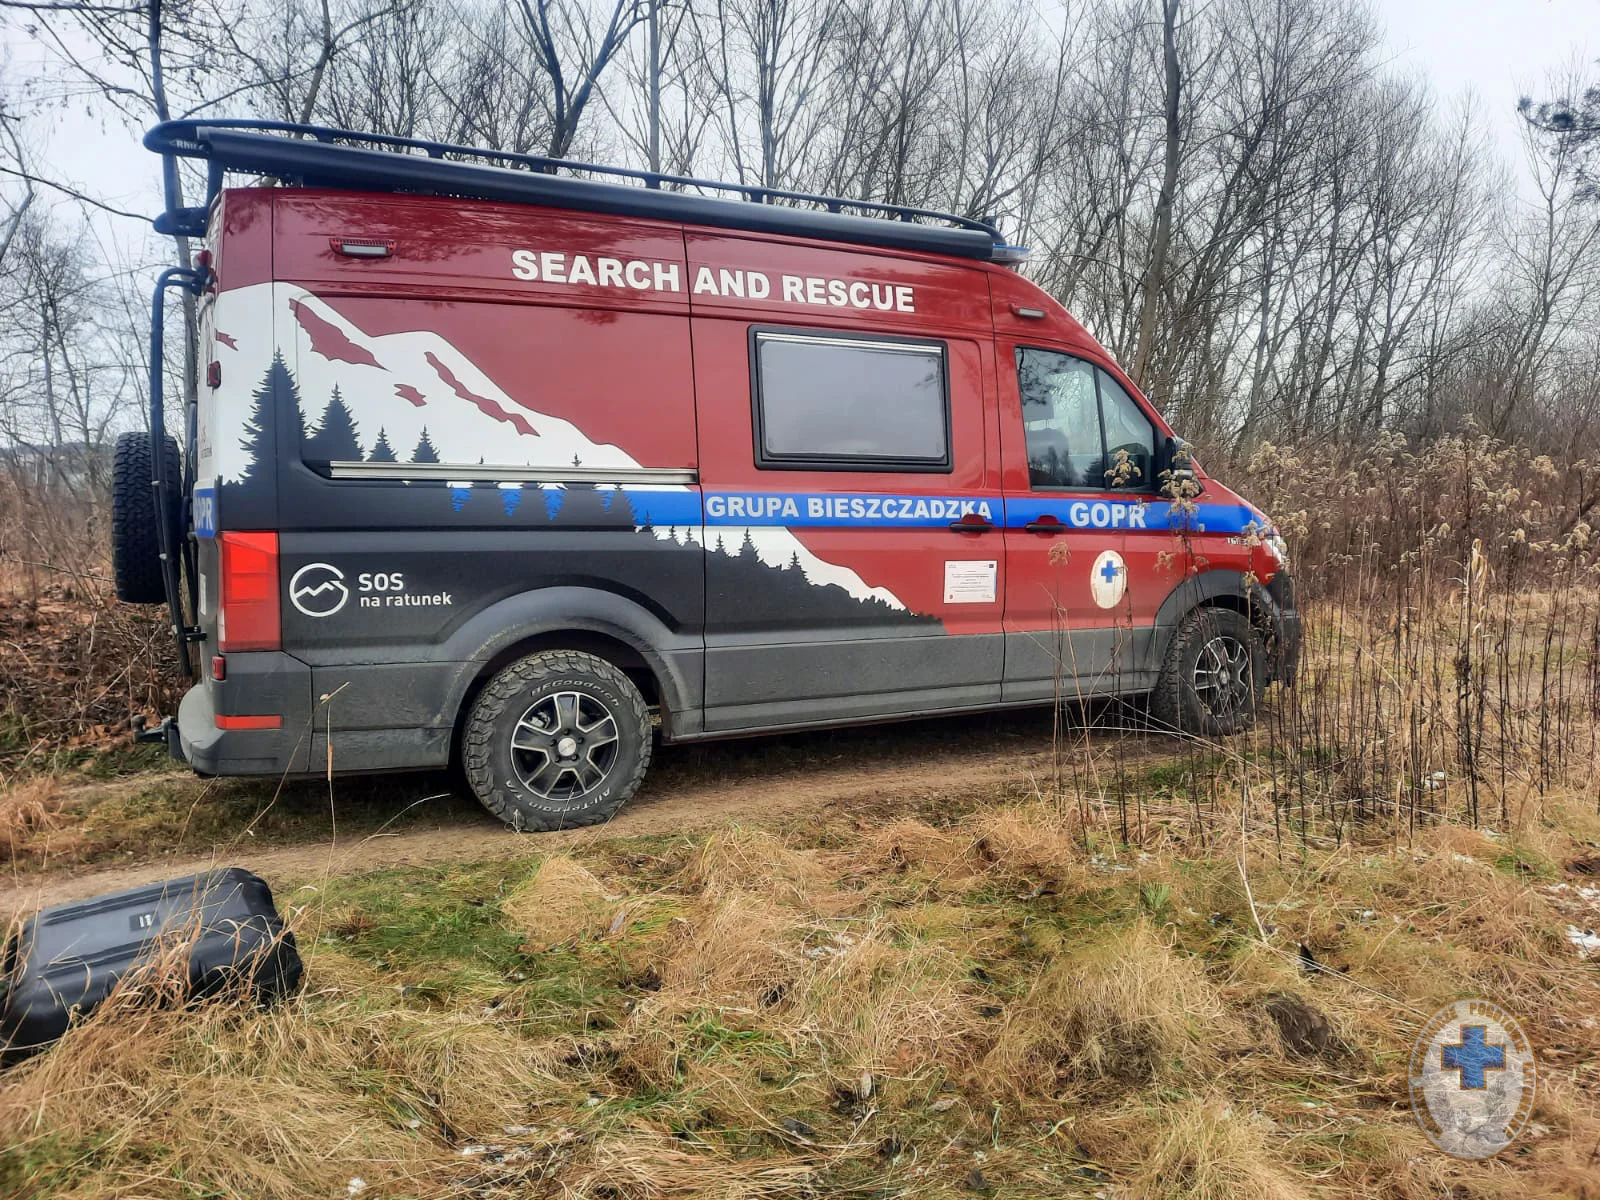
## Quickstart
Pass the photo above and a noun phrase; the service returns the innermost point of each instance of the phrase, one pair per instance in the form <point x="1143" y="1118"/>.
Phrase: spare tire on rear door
<point x="135" y="523"/>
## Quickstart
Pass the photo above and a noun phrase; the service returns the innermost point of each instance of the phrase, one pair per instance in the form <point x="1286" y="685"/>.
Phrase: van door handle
<point x="970" y="524"/>
<point x="1047" y="526"/>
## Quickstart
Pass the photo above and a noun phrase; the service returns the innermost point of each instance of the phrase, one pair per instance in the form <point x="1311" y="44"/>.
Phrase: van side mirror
<point x="1174" y="466"/>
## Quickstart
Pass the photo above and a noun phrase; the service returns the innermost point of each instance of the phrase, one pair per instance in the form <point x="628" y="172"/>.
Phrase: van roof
<point x="315" y="156"/>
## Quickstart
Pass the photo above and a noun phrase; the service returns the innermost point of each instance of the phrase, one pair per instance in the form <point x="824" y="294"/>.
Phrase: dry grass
<point x="562" y="902"/>
<point x="650" y="1165"/>
<point x="737" y="951"/>
<point x="30" y="810"/>
<point x="74" y="663"/>
<point x="1202" y="1148"/>
<point x="892" y="1014"/>
<point x="1124" y="1011"/>
<point x="751" y="860"/>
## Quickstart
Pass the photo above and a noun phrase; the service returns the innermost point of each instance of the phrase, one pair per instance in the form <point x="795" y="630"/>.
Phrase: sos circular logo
<point x="318" y="589"/>
<point x="1472" y="1078"/>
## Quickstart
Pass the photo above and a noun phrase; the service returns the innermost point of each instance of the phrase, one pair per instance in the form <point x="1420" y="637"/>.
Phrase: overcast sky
<point x="1497" y="50"/>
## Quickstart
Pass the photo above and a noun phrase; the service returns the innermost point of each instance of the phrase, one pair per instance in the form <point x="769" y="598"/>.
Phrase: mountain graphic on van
<point x="760" y="576"/>
<point x="419" y="396"/>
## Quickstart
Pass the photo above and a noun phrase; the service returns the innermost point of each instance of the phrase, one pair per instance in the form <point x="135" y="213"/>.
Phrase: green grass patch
<point x="1524" y="864"/>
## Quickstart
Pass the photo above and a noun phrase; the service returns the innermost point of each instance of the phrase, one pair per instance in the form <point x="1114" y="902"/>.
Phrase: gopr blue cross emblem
<point x="1109" y="571"/>
<point x="1473" y="1057"/>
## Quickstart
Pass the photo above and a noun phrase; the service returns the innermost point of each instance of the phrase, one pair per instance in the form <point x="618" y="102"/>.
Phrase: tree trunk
<point x="1161" y="240"/>
<point x="191" y="322"/>
<point x="655" y="85"/>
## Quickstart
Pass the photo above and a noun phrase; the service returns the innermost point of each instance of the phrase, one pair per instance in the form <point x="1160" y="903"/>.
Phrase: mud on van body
<point x="488" y="476"/>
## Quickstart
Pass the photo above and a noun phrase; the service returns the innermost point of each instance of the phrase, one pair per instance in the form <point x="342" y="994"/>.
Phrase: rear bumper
<point x="196" y="740"/>
<point x="387" y="717"/>
<point x="272" y="683"/>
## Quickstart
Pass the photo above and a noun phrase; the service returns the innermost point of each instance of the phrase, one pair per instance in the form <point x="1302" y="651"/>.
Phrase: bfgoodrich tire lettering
<point x="524" y="752"/>
<point x="1212" y="677"/>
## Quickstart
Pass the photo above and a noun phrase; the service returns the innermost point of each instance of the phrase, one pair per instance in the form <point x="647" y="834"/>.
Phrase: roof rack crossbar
<point x="316" y="154"/>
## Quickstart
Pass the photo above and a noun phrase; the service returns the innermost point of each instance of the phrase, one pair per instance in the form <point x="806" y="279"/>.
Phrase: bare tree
<point x="1281" y="237"/>
<point x="572" y="51"/>
<point x="1172" y="153"/>
<point x="68" y="374"/>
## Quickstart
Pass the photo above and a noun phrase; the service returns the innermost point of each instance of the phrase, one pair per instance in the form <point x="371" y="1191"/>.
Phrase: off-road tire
<point x="1177" y="705"/>
<point x="135" y="524"/>
<point x="486" y="742"/>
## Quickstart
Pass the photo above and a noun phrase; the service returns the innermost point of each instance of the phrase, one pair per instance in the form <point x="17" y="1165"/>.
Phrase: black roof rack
<point x="314" y="156"/>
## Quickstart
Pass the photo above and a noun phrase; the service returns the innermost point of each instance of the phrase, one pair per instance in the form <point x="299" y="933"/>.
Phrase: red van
<point x="491" y="463"/>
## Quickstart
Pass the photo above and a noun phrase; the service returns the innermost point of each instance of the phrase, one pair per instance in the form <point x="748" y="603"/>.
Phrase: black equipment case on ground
<point x="71" y="956"/>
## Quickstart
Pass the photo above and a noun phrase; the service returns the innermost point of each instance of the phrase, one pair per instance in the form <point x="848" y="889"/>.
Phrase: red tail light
<point x="247" y="612"/>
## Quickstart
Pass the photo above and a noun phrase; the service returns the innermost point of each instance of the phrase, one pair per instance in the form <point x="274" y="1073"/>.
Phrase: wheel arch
<point x="610" y="627"/>
<point x="614" y="650"/>
<point x="1220" y="588"/>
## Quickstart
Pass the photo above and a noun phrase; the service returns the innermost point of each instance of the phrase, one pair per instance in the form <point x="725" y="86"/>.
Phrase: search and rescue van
<point x="517" y="469"/>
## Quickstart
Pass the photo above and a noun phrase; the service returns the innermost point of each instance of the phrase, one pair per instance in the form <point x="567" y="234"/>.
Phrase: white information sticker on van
<point x="969" y="582"/>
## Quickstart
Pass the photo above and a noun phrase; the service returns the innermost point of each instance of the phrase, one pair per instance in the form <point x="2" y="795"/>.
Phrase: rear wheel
<point x="135" y="521"/>
<point x="558" y="739"/>
<point x="1212" y="678"/>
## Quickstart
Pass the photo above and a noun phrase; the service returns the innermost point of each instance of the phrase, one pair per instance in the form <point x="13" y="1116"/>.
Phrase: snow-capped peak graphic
<point x="375" y="397"/>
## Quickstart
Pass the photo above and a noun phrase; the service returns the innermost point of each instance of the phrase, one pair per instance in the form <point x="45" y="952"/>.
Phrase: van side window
<point x="1129" y="430"/>
<point x="1077" y="419"/>
<point x="1061" y="419"/>
<point x="826" y="402"/>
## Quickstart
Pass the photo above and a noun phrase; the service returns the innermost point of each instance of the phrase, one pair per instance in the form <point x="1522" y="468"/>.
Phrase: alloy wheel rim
<point x="1222" y="675"/>
<point x="564" y="746"/>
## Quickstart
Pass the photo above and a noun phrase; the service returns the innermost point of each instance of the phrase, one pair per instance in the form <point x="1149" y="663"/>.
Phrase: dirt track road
<point x="768" y="781"/>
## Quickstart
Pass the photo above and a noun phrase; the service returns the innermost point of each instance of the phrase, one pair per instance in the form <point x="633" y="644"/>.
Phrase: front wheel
<point x="557" y="739"/>
<point x="1213" y="675"/>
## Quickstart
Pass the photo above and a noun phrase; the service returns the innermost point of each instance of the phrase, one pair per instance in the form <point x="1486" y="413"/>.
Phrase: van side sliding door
<point x="853" y="540"/>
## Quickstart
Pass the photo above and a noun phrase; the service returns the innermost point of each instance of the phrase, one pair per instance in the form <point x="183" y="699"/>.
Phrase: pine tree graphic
<point x="336" y="438"/>
<point x="258" y="442"/>
<point x="382" y="452"/>
<point x="425" y="451"/>
<point x="585" y="505"/>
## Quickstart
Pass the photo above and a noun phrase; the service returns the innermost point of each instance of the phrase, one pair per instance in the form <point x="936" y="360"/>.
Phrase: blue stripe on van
<point x="845" y="509"/>
<point x="880" y="510"/>
<point x="1079" y="513"/>
<point x="884" y="510"/>
<point x="662" y="506"/>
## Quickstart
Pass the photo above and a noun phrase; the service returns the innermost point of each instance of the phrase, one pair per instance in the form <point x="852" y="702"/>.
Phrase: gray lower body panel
<point x="1044" y="664"/>
<point x="752" y="686"/>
